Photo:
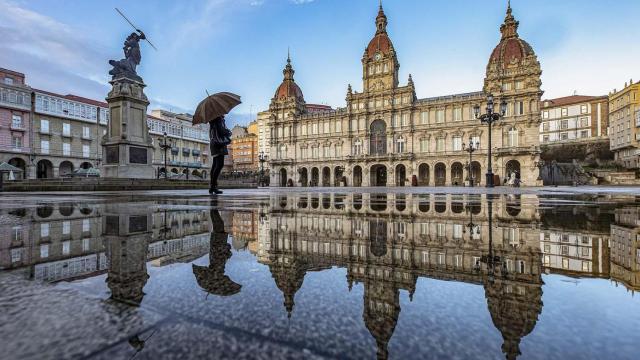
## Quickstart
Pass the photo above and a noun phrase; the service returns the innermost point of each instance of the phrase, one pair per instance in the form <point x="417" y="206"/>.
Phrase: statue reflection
<point x="126" y="237"/>
<point x="212" y="278"/>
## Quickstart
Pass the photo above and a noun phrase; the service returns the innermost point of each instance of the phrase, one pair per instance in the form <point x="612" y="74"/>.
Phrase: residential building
<point x="244" y="148"/>
<point x="386" y="136"/>
<point x="15" y="120"/>
<point x="625" y="247"/>
<point x="624" y="120"/>
<point x="574" y="118"/>
<point x="575" y="253"/>
<point x="189" y="152"/>
<point x="67" y="132"/>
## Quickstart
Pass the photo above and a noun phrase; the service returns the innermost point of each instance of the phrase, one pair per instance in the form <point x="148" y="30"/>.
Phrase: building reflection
<point x="387" y="241"/>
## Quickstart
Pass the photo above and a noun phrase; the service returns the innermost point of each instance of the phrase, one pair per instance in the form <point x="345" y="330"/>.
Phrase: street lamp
<point x="262" y="158"/>
<point x="471" y="148"/>
<point x="489" y="118"/>
<point x="165" y="145"/>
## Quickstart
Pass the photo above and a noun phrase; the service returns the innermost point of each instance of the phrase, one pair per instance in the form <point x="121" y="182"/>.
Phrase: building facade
<point x="66" y="131"/>
<point x="188" y="156"/>
<point x="574" y="118"/>
<point x="386" y="136"/>
<point x="15" y="121"/>
<point x="244" y="148"/>
<point x="624" y="118"/>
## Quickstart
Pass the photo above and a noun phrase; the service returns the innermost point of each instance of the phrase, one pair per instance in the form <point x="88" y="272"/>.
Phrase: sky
<point x="584" y="46"/>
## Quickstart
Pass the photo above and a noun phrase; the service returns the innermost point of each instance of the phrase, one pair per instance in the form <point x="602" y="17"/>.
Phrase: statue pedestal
<point x="126" y="148"/>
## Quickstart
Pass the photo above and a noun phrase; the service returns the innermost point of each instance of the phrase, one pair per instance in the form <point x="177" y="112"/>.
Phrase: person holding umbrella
<point x="212" y="111"/>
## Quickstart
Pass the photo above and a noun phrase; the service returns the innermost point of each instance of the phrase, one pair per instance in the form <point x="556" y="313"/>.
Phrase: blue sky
<point x="586" y="46"/>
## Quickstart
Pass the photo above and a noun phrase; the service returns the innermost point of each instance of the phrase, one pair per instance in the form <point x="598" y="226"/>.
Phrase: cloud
<point x="301" y="2"/>
<point x="39" y="45"/>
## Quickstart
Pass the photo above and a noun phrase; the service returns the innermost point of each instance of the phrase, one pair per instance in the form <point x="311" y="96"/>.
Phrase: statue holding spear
<point x="132" y="56"/>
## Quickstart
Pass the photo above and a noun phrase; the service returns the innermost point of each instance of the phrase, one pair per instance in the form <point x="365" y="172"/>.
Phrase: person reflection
<point x="212" y="278"/>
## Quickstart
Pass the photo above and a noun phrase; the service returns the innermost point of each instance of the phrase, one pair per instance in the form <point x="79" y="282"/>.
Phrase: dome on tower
<point x="511" y="50"/>
<point x="380" y="42"/>
<point x="288" y="88"/>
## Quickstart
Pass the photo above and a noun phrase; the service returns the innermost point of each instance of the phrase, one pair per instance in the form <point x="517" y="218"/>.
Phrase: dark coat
<point x="219" y="137"/>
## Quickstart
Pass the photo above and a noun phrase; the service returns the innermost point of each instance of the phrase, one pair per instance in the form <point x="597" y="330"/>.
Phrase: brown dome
<point x="511" y="50"/>
<point x="288" y="89"/>
<point x="379" y="43"/>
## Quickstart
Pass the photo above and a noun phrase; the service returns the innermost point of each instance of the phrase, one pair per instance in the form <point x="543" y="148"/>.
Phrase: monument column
<point x="127" y="150"/>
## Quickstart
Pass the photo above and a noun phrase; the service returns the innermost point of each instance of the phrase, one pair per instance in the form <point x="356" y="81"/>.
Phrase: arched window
<point x="512" y="137"/>
<point x="357" y="147"/>
<point x="400" y="145"/>
<point x="378" y="138"/>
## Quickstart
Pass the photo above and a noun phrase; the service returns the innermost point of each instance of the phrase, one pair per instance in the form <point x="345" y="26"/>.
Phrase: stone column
<point x="127" y="150"/>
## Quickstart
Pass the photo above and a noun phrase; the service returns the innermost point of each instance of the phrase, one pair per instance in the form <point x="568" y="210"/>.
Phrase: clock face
<point x="378" y="56"/>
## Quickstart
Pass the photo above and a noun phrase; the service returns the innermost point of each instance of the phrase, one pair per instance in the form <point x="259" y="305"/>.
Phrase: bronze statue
<point x="127" y="66"/>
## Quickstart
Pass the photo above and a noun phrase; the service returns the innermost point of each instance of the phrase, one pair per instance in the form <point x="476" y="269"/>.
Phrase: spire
<point x="410" y="82"/>
<point x="288" y="69"/>
<point x="510" y="26"/>
<point x="381" y="20"/>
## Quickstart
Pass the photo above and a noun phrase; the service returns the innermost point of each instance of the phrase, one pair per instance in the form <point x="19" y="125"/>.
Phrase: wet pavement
<point x="329" y="273"/>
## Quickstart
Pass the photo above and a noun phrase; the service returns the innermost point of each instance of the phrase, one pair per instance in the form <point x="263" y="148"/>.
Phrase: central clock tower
<point x="379" y="63"/>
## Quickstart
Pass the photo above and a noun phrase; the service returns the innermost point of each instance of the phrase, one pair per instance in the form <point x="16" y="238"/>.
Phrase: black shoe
<point x="215" y="191"/>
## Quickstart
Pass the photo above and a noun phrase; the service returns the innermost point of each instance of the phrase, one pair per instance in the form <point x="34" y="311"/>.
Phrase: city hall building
<point x="386" y="136"/>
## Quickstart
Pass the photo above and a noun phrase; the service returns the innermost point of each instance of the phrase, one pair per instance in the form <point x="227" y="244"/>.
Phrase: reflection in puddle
<point x="385" y="242"/>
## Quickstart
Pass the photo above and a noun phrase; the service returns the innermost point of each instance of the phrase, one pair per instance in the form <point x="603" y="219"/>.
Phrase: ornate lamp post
<point x="165" y="145"/>
<point x="262" y="158"/>
<point x="489" y="118"/>
<point x="471" y="148"/>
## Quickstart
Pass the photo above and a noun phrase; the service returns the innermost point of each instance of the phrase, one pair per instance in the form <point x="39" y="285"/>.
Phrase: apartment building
<point x="574" y="118"/>
<point x="188" y="154"/>
<point x="624" y="118"/>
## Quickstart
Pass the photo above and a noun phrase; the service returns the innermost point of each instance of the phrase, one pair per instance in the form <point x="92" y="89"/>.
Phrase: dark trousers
<point x="216" y="167"/>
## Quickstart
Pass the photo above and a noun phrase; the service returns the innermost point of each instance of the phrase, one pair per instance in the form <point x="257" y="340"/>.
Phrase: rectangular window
<point x="16" y="121"/>
<point x="66" y="149"/>
<point x="66" y="247"/>
<point x="564" y="136"/>
<point x="545" y="126"/>
<point x="519" y="85"/>
<point x="86" y="225"/>
<point x="326" y="128"/>
<point x="405" y="119"/>
<point x="424" y="117"/>
<point x="86" y="151"/>
<point x="44" y="126"/>
<point x="440" y="230"/>
<point x="545" y="138"/>
<point x="338" y="126"/>
<point x="584" y="133"/>
<point x="66" y="227"/>
<point x="44" y="251"/>
<point x="584" y="121"/>
<point x="584" y="109"/>
<point x="44" y="230"/>
<point x="424" y="145"/>
<point x="519" y="107"/>
<point x="86" y="133"/>
<point x="545" y="114"/>
<point x="315" y="129"/>
<point x="16" y="142"/>
<point x="44" y="146"/>
<point x="440" y="144"/>
<point x="457" y="143"/>
<point x="394" y="120"/>
<point x="457" y="114"/>
<point x="66" y="129"/>
<point x="476" y="141"/>
<point x="564" y="111"/>
<point x="564" y="124"/>
<point x="440" y="116"/>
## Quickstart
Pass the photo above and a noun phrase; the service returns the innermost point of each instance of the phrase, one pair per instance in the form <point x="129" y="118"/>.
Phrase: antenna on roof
<point x="207" y="91"/>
